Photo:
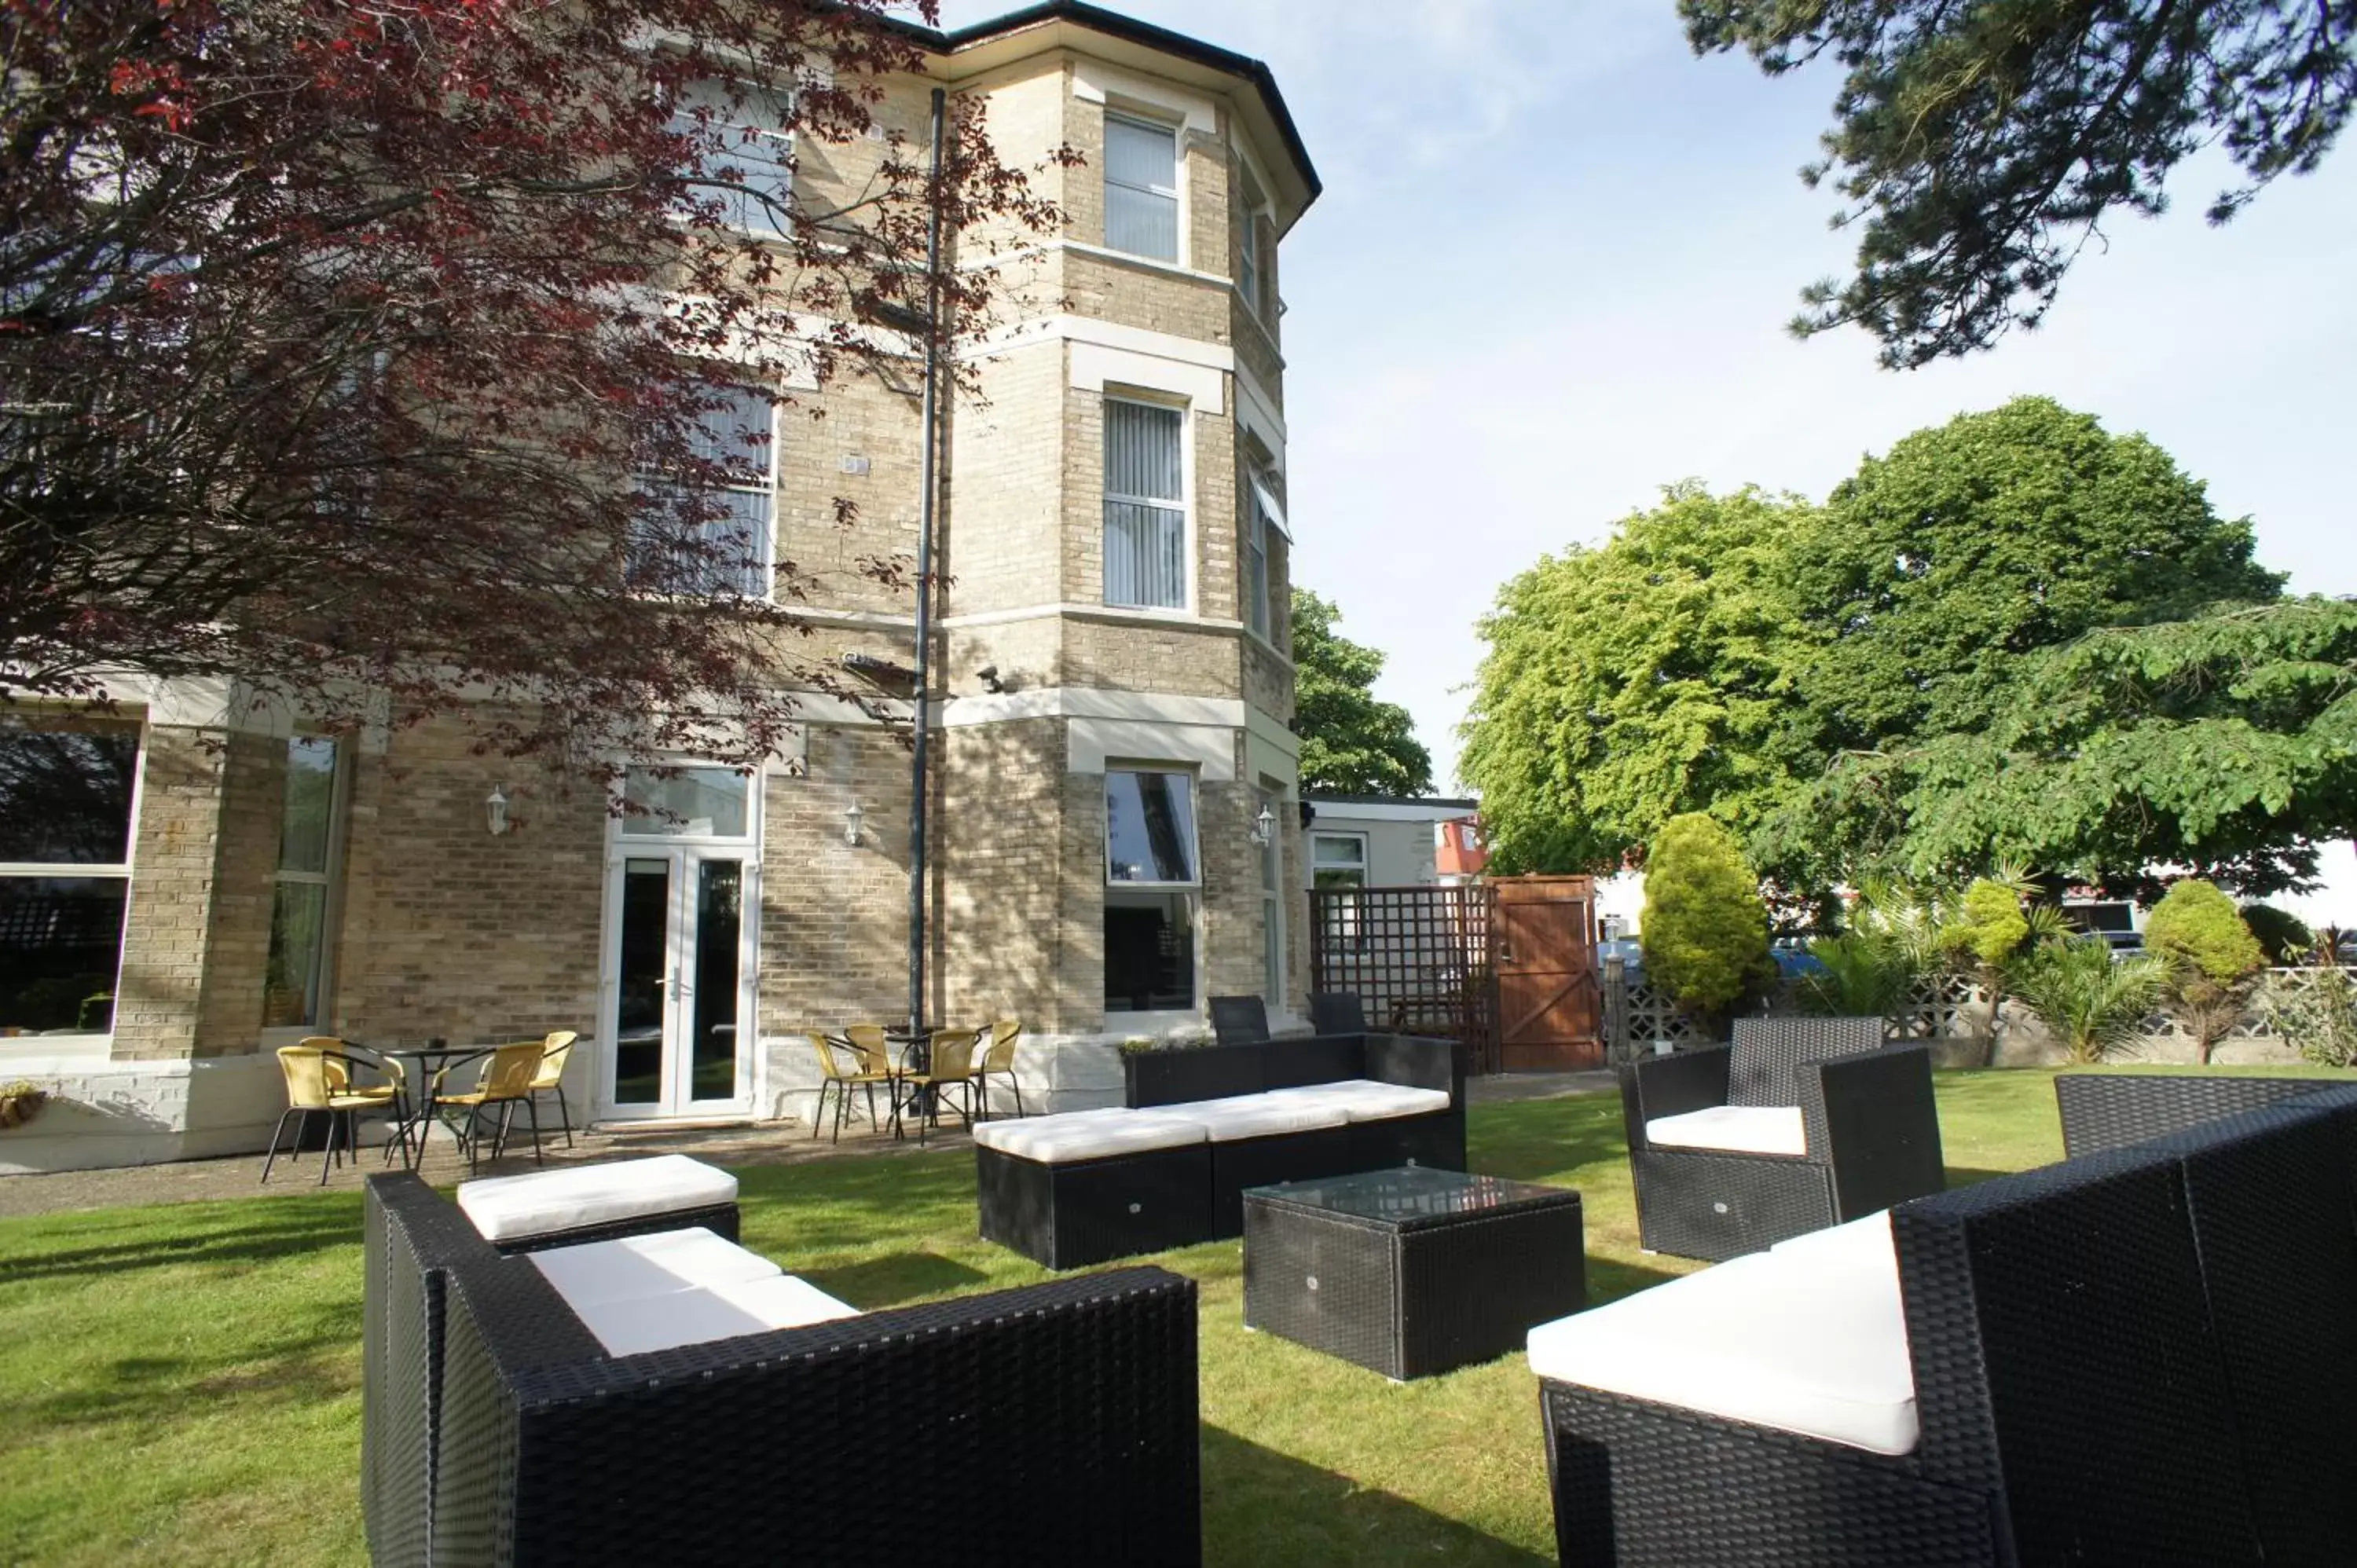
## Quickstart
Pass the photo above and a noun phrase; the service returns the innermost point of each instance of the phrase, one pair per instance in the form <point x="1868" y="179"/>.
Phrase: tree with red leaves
<point x="406" y="352"/>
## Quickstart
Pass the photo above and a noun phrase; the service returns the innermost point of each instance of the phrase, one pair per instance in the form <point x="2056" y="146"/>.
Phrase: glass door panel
<point x="719" y="969"/>
<point x="643" y="993"/>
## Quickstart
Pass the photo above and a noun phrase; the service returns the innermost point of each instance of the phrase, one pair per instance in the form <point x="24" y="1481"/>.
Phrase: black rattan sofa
<point x="2130" y="1359"/>
<point x="1858" y="1133"/>
<point x="1169" y="1168"/>
<point x="1055" y="1423"/>
<point x="2115" y="1111"/>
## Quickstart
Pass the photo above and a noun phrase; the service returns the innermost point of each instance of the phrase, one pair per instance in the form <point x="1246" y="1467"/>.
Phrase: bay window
<point x="1141" y="188"/>
<point x="1152" y="880"/>
<point x="67" y="786"/>
<point x="1145" y="504"/>
<point x="293" y="992"/>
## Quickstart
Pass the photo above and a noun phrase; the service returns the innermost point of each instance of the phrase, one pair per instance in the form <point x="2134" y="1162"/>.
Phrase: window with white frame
<point x="1252" y="225"/>
<point x="742" y="153"/>
<point x="1261" y="590"/>
<point x="67" y="788"/>
<point x="1141" y="188"/>
<point x="711" y="537"/>
<point x="1338" y="865"/>
<point x="294" y="985"/>
<point x="1152" y="877"/>
<point x="1146" y="505"/>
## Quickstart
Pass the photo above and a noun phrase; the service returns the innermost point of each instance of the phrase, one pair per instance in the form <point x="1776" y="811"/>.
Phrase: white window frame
<point x="1345" y="926"/>
<point x="751" y="217"/>
<point x="766" y="562"/>
<point x="1190" y="894"/>
<point x="1184" y="506"/>
<point x="331" y="903"/>
<point x="1176" y="191"/>
<point x="122" y="871"/>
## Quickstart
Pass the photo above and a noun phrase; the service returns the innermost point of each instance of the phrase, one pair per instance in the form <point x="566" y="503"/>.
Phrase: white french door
<point x="680" y="966"/>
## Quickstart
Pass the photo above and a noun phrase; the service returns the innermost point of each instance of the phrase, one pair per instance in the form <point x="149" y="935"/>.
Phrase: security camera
<point x="988" y="676"/>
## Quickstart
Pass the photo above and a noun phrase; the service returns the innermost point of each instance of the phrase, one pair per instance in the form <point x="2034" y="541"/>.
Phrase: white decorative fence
<point x="1951" y="1013"/>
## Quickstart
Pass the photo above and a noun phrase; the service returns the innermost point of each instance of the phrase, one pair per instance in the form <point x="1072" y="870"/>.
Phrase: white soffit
<point x="1213" y="750"/>
<point x="1093" y="81"/>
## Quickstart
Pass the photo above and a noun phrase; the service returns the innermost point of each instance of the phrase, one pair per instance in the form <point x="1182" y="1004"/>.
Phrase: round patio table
<point x="424" y="1063"/>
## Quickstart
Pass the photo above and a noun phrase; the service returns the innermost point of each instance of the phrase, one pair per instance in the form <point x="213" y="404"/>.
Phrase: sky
<point x="1550" y="275"/>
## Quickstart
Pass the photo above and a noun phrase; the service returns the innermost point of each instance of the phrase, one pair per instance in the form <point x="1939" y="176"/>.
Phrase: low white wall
<point x="103" y="1113"/>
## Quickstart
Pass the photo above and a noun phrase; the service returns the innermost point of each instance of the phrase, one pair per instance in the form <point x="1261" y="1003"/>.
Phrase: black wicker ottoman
<point x="1412" y="1271"/>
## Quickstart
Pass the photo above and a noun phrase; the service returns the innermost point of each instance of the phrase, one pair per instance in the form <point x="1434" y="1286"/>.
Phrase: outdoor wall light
<point x="1264" y="828"/>
<point x="495" y="807"/>
<point x="851" y="815"/>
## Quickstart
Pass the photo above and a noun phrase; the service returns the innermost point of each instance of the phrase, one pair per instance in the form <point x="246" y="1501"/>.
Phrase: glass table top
<point x="1411" y="1194"/>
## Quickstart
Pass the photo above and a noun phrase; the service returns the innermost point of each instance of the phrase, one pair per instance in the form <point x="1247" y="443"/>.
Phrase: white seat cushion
<point x="633" y="1326"/>
<point x="1088" y="1134"/>
<point x="1366" y="1099"/>
<point x="1259" y="1116"/>
<point x="1808" y="1338"/>
<point x="638" y="1266"/>
<point x="1740" y="1129"/>
<point x="507" y="1209"/>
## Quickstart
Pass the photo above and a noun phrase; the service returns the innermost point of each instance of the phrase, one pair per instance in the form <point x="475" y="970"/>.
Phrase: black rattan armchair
<point x="1851" y="1129"/>
<point x="1336" y="1012"/>
<point x="1239" y="1020"/>
<point x="497" y="1430"/>
<point x="2113" y="1111"/>
<point x="2112" y="1362"/>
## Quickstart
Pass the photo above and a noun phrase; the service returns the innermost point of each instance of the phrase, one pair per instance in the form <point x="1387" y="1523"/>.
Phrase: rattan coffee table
<point x="1412" y="1271"/>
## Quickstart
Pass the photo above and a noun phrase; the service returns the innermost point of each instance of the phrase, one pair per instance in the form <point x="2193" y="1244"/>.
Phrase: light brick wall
<point x="174" y="852"/>
<point x="450" y="931"/>
<point x="835" y="916"/>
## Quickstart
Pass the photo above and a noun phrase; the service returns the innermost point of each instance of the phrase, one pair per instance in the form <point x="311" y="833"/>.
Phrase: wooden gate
<point x="1416" y="957"/>
<point x="1542" y="951"/>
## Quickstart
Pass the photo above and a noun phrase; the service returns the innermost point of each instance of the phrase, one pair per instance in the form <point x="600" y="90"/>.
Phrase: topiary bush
<point x="1987" y="930"/>
<point x="2282" y="937"/>
<point x="2212" y="957"/>
<point x="1704" y="929"/>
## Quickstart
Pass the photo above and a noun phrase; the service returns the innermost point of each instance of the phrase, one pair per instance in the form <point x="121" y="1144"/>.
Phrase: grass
<point x="179" y="1383"/>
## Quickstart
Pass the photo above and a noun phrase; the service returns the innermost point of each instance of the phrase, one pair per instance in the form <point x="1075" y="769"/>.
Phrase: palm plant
<point x="1862" y="975"/>
<point x="2090" y="1000"/>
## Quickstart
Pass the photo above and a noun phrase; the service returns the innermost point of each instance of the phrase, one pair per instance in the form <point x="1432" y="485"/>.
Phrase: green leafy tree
<point x="2212" y="955"/>
<point x="1796" y="670"/>
<point x="1984" y="142"/>
<point x="1989" y="929"/>
<point x="1705" y="928"/>
<point x="2282" y="937"/>
<point x="1630" y="682"/>
<point x="2225" y="743"/>
<point x="1350" y="743"/>
<point x="2090" y="1001"/>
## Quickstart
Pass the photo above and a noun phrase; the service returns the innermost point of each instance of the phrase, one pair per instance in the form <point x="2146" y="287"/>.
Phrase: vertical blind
<point x="1141" y="188"/>
<point x="731" y="556"/>
<point x="1146" y="514"/>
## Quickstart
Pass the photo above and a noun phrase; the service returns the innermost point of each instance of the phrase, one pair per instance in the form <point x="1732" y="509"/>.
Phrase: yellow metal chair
<point x="505" y="1081"/>
<point x="554" y="1053"/>
<point x="320" y="1082"/>
<point x="950" y="1066"/>
<point x="998" y="1062"/>
<point x="832" y="1076"/>
<point x="869" y="1042"/>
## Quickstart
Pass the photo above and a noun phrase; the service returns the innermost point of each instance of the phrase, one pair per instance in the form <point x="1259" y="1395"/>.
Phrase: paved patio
<point x="769" y="1143"/>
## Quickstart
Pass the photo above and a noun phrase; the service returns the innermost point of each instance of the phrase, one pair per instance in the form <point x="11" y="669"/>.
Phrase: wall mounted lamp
<point x="851" y="816"/>
<point x="1264" y="828"/>
<point x="495" y="808"/>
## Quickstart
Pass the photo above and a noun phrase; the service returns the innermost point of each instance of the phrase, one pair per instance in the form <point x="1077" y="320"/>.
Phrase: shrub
<point x="2089" y="1000"/>
<point x="1704" y="931"/>
<point x="2316" y="1010"/>
<point x="2211" y="956"/>
<point x="1862" y="975"/>
<point x="1989" y="925"/>
<point x="2284" y="937"/>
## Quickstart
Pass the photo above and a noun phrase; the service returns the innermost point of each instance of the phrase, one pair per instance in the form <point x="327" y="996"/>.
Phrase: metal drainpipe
<point x="925" y="590"/>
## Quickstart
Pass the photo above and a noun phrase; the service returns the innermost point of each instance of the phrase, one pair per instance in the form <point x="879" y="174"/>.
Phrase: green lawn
<point x="178" y="1384"/>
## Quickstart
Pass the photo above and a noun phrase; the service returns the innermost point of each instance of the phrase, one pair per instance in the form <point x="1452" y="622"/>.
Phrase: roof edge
<point x="1114" y="24"/>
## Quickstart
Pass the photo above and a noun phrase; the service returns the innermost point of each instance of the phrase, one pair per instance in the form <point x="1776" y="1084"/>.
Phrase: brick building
<point x="1111" y="738"/>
